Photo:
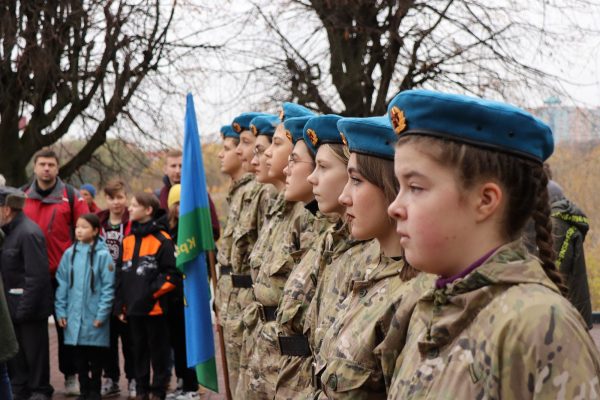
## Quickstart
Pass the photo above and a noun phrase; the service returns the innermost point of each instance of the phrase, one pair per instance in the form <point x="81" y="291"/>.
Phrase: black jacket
<point x="146" y="270"/>
<point x="569" y="227"/>
<point x="25" y="273"/>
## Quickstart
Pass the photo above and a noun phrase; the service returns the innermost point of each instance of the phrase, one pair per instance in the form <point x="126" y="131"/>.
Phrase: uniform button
<point x="362" y="292"/>
<point x="332" y="382"/>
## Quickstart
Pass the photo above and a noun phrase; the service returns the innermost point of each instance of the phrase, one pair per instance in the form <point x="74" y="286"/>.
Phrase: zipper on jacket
<point x="51" y="220"/>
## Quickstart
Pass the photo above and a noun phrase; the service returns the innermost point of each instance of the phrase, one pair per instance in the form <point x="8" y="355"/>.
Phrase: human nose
<point x="345" y="199"/>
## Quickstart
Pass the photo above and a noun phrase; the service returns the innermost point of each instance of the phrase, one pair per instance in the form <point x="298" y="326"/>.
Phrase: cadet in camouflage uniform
<point x="328" y="179"/>
<point x="247" y="210"/>
<point x="347" y="364"/>
<point x="496" y="327"/>
<point x="289" y="239"/>
<point x="277" y="238"/>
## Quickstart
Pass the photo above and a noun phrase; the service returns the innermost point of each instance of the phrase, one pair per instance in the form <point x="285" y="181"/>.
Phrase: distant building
<point x="568" y="123"/>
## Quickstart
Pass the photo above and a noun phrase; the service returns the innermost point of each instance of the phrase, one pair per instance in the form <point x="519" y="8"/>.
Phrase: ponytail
<point x="543" y="230"/>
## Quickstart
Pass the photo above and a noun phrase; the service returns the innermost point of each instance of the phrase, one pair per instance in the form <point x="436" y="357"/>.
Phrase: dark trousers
<point x="29" y="370"/>
<point x="88" y="360"/>
<point x="110" y="363"/>
<point x="5" y="391"/>
<point x="66" y="358"/>
<point x="176" y="322"/>
<point x="150" y="339"/>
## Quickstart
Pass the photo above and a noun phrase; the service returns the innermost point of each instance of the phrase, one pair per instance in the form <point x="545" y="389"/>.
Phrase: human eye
<point x="354" y="180"/>
<point x="415" y="188"/>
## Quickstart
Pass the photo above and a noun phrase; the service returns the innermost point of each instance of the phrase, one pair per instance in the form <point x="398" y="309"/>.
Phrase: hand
<point x="62" y="322"/>
<point x="97" y="323"/>
<point x="122" y="318"/>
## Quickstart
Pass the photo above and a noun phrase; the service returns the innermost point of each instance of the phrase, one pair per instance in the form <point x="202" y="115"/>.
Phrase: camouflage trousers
<point x="233" y="329"/>
<point x="222" y="293"/>
<point x="294" y="380"/>
<point x="263" y="366"/>
<point x="250" y="322"/>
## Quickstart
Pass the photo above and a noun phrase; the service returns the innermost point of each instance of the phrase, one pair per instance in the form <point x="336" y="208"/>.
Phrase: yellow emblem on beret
<point x="254" y="130"/>
<point x="288" y="134"/>
<point x="281" y="115"/>
<point x="344" y="139"/>
<point x="312" y="135"/>
<point x="236" y="127"/>
<point x="398" y="120"/>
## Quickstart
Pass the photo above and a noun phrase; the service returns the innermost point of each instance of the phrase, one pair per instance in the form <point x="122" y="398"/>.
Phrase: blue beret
<point x="227" y="131"/>
<point x="320" y="130"/>
<point x="264" y="125"/>
<point x="242" y="121"/>
<point x="90" y="188"/>
<point x="293" y="110"/>
<point x="372" y="136"/>
<point x="294" y="127"/>
<point x="484" y="123"/>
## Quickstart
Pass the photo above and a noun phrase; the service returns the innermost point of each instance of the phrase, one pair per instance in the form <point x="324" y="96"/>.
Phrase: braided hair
<point x="94" y="221"/>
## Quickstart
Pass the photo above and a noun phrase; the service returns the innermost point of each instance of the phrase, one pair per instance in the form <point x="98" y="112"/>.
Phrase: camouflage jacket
<point x="234" y="200"/>
<point x="235" y="197"/>
<point x="301" y="284"/>
<point x="501" y="332"/>
<point x="350" y="368"/>
<point x="254" y="210"/>
<point x="334" y="286"/>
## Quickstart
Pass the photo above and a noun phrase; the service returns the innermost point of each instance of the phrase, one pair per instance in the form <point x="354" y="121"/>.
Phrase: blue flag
<point x="194" y="238"/>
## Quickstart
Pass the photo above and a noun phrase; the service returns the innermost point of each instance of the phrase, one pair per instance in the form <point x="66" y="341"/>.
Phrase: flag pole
<point x="213" y="278"/>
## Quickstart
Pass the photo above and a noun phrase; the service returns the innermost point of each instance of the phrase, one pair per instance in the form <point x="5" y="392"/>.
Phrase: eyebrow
<point x="353" y="170"/>
<point x="412" y="174"/>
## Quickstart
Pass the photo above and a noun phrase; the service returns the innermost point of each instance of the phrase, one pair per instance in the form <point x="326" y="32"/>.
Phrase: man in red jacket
<point x="55" y="206"/>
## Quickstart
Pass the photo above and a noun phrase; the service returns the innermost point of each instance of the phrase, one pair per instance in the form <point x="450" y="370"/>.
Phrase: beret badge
<point x="254" y="130"/>
<point x="236" y="127"/>
<point x="398" y="120"/>
<point x="344" y="139"/>
<point x="312" y="135"/>
<point x="288" y="134"/>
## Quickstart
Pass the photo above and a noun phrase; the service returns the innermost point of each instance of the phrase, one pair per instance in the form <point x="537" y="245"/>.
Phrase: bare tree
<point x="351" y="56"/>
<point x="72" y="64"/>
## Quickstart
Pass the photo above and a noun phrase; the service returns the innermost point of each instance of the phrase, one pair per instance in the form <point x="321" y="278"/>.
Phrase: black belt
<point x="296" y="346"/>
<point x="225" y="270"/>
<point x="241" y="281"/>
<point x="268" y="313"/>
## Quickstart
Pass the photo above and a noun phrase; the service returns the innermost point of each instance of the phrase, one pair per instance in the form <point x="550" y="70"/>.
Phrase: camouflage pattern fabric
<point x="234" y="201"/>
<point x="254" y="206"/>
<point x="351" y="368"/>
<point x="288" y="234"/>
<point x="298" y="292"/>
<point x="501" y="332"/>
<point x="301" y="229"/>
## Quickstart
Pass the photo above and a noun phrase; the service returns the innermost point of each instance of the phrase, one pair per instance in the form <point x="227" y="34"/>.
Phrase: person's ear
<point x="488" y="199"/>
<point x="149" y="211"/>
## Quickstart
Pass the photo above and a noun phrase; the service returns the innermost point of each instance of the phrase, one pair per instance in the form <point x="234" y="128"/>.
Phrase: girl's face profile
<point x="328" y="179"/>
<point x="432" y="213"/>
<point x="84" y="231"/>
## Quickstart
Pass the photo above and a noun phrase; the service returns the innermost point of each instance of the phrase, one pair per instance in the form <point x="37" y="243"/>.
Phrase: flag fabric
<point x="194" y="238"/>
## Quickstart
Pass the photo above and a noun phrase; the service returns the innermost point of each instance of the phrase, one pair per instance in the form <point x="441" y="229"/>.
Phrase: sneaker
<point x="188" y="396"/>
<point x="109" y="388"/>
<point x="71" y="385"/>
<point x="132" y="389"/>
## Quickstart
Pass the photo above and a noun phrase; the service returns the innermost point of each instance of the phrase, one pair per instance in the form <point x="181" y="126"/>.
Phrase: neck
<point x="115" y="218"/>
<point x="87" y="241"/>
<point x="237" y="175"/>
<point x="279" y="185"/>
<point x="470" y="254"/>
<point x="45" y="185"/>
<point x="390" y="243"/>
<point x="145" y="219"/>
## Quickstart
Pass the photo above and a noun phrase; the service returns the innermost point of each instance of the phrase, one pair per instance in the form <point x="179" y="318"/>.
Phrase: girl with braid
<point x="84" y="299"/>
<point x="496" y="323"/>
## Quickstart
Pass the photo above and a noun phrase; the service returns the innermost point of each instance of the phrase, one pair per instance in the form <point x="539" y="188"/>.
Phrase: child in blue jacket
<point x="84" y="299"/>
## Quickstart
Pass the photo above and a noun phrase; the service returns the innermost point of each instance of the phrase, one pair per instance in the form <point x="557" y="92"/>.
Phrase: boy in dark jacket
<point x="26" y="278"/>
<point x="146" y="272"/>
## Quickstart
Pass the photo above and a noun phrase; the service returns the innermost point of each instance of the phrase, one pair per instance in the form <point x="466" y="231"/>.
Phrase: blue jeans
<point x="5" y="391"/>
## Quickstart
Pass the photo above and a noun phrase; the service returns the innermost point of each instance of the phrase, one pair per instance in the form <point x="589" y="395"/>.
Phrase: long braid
<point x="543" y="230"/>
<point x="92" y="251"/>
<point x="72" y="277"/>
